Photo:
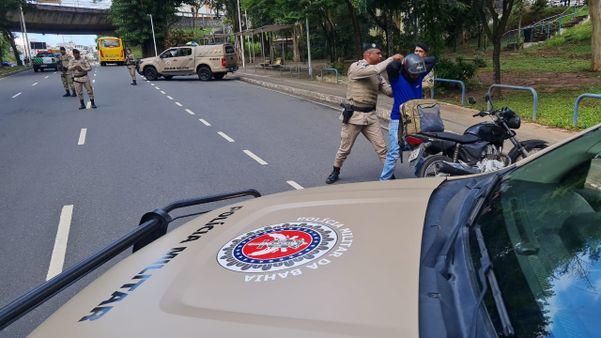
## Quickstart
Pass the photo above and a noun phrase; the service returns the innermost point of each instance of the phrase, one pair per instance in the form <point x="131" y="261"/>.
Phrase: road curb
<point x="383" y="114"/>
<point x="18" y="71"/>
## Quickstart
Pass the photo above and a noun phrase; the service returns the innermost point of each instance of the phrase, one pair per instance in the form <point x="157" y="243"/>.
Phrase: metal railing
<point x="328" y="69"/>
<point x="577" y="105"/>
<point x="530" y="89"/>
<point x="459" y="82"/>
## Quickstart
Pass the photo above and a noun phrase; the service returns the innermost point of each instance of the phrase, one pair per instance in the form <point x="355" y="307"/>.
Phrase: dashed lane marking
<point x="295" y="185"/>
<point x="82" y="136"/>
<point x="45" y="77"/>
<point x="225" y="136"/>
<point x="169" y="97"/>
<point x="88" y="105"/>
<point x="60" y="242"/>
<point x="34" y="84"/>
<point x="189" y="111"/>
<point x="254" y="157"/>
<point x="205" y="122"/>
<point x="157" y="87"/>
<point x="162" y="92"/>
<point x="94" y="81"/>
<point x="17" y="94"/>
<point x="177" y="103"/>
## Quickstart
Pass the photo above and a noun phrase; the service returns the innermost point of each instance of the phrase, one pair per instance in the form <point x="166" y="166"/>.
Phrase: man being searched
<point x="66" y="76"/>
<point x="406" y="80"/>
<point x="80" y="68"/>
<point x="359" y="115"/>
<point x="130" y="61"/>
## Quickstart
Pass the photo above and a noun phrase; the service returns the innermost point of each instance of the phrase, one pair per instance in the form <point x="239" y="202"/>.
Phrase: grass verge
<point x="11" y="70"/>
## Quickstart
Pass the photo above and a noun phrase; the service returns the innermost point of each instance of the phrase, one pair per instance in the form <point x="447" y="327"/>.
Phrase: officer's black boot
<point x="333" y="176"/>
<point x="134" y="83"/>
<point x="93" y="104"/>
<point x="81" y="105"/>
<point x="67" y="94"/>
<point x="73" y="94"/>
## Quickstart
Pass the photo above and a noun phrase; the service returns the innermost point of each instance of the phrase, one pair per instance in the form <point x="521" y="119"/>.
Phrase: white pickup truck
<point x="210" y="61"/>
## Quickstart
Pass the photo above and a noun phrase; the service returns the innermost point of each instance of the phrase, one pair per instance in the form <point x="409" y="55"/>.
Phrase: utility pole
<point x="26" y="49"/>
<point x="154" y="40"/>
<point x="308" y="48"/>
<point x="241" y="37"/>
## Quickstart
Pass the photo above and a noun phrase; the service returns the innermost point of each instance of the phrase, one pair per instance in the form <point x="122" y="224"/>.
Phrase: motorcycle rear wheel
<point x="516" y="156"/>
<point x="430" y="166"/>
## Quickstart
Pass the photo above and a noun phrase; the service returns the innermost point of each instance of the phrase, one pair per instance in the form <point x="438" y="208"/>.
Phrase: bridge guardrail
<point x="577" y="105"/>
<point x="530" y="89"/>
<point x="459" y="82"/>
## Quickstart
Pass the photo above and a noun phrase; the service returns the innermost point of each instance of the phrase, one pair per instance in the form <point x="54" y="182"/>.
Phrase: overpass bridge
<point x="61" y="19"/>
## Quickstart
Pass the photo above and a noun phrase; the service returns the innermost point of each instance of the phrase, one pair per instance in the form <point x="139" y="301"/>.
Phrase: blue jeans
<point x="393" y="151"/>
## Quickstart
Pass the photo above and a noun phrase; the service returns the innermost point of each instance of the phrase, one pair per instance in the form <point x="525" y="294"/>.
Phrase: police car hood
<point x="339" y="261"/>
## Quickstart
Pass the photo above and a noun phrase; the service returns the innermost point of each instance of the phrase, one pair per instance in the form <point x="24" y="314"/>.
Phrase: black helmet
<point x="413" y="64"/>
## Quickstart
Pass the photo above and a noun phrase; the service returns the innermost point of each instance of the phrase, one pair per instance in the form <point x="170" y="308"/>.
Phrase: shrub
<point x="458" y="70"/>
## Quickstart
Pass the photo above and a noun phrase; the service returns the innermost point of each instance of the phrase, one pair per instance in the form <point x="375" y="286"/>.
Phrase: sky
<point x="53" y="39"/>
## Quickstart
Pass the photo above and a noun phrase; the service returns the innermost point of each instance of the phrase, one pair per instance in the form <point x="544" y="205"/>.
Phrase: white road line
<point x="60" y="242"/>
<point x="224" y="135"/>
<point x="157" y="87"/>
<point x="34" y="84"/>
<point x="94" y="81"/>
<point x="94" y="74"/>
<point x="152" y="84"/>
<point x="295" y="185"/>
<point x="17" y="94"/>
<point x="169" y="97"/>
<point x="82" y="136"/>
<point x="45" y="77"/>
<point x="205" y="122"/>
<point x="54" y="73"/>
<point x="254" y="157"/>
<point x="162" y="92"/>
<point x="88" y="105"/>
<point x="177" y="103"/>
<point x="189" y="111"/>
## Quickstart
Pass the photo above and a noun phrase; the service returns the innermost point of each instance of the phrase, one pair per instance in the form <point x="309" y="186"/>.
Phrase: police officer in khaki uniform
<point x="66" y="75"/>
<point x="130" y="61"/>
<point x="359" y="115"/>
<point x="421" y="49"/>
<point x="80" y="68"/>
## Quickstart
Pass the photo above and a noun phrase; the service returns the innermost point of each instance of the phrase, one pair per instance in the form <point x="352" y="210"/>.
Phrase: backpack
<point x="421" y="115"/>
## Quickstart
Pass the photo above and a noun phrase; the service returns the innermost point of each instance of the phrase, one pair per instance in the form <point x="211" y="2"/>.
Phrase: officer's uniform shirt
<point x="130" y="60"/>
<point x="65" y="59"/>
<point x="80" y="75"/>
<point x="365" y="82"/>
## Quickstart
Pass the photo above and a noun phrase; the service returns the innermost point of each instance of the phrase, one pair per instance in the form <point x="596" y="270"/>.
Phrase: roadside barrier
<point x="329" y="70"/>
<point x="530" y="89"/>
<point x="577" y="105"/>
<point x="460" y="83"/>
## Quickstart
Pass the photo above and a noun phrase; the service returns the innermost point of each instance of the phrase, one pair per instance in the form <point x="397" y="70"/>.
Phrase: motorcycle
<point x="479" y="149"/>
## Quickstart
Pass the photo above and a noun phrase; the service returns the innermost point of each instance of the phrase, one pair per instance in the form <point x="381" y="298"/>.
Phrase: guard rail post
<point x="459" y="82"/>
<point x="577" y="105"/>
<point x="330" y="70"/>
<point x="534" y="95"/>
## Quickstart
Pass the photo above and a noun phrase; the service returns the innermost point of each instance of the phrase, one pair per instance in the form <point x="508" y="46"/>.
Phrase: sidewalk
<point x="456" y="118"/>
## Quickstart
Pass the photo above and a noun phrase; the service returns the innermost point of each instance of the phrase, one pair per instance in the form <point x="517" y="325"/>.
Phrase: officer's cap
<point x="75" y="50"/>
<point x="369" y="46"/>
<point x="62" y="48"/>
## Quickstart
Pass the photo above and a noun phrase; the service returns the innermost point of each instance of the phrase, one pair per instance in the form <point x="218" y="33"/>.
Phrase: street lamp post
<point x="308" y="48"/>
<point x="241" y="37"/>
<point x="26" y="46"/>
<point x="154" y="40"/>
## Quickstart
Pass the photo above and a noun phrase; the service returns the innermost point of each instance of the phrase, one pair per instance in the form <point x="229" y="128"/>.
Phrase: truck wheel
<point x="204" y="73"/>
<point x="35" y="70"/>
<point x="103" y="64"/>
<point x="150" y="73"/>
<point x="219" y="76"/>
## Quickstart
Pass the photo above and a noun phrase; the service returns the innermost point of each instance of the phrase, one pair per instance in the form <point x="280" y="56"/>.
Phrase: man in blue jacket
<point x="406" y="81"/>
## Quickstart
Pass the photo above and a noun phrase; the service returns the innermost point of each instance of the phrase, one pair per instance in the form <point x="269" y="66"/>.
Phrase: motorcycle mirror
<point x="471" y="100"/>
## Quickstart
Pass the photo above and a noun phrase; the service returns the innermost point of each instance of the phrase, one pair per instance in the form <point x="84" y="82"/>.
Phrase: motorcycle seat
<point x="453" y="137"/>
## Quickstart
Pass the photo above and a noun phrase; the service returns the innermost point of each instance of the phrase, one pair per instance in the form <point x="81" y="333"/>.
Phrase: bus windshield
<point x="107" y="43"/>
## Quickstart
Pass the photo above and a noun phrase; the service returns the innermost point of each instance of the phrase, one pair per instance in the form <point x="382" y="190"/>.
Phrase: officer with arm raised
<point x="80" y="68"/>
<point x="359" y="115"/>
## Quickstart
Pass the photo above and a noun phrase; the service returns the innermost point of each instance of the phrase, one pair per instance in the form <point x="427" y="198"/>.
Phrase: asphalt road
<point x="144" y="147"/>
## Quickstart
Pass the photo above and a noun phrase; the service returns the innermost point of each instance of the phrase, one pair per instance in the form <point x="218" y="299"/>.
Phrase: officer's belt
<point x="363" y="109"/>
<point x="86" y="74"/>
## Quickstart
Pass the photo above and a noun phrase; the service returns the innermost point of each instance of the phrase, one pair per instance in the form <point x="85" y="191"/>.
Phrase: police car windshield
<point x="543" y="232"/>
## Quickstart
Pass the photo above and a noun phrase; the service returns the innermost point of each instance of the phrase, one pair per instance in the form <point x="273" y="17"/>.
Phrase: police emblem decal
<point x="277" y="247"/>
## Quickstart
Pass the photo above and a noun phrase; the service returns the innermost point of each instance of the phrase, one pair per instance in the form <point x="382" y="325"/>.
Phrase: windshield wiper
<point x="488" y="279"/>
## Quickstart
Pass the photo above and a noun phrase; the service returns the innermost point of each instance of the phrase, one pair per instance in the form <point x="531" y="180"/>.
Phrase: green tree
<point x="5" y="7"/>
<point x="595" y="12"/>
<point x="133" y="23"/>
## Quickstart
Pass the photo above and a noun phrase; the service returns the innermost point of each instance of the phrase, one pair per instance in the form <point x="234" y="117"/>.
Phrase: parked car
<point x="210" y="61"/>
<point x="510" y="253"/>
<point x="45" y="60"/>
